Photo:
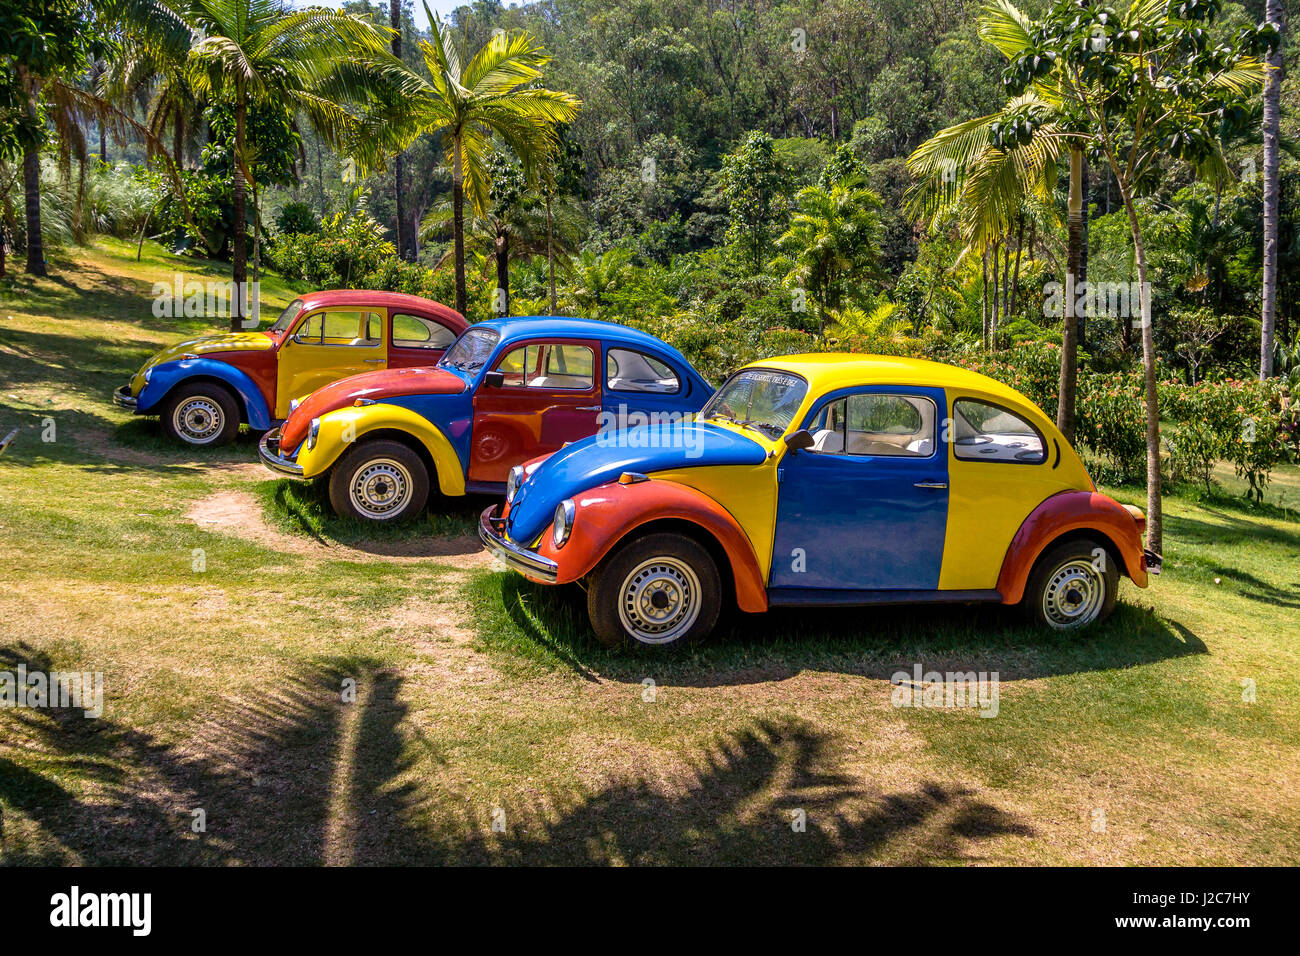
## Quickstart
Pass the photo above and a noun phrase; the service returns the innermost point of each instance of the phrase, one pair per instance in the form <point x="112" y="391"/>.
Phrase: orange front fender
<point x="606" y="514"/>
<point x="1060" y="514"/>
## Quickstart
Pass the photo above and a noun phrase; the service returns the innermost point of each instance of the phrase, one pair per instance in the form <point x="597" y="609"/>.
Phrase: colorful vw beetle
<point x="202" y="388"/>
<point x="506" y="391"/>
<point x="817" y="480"/>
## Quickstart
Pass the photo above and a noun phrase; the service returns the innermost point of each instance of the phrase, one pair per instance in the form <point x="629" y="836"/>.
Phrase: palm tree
<point x="468" y="102"/>
<point x="595" y="277"/>
<point x="1272" y="109"/>
<point x="313" y="61"/>
<point x="830" y="245"/>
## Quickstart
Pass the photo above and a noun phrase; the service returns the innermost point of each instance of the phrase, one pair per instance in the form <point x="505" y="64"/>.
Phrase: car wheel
<point x="660" y="590"/>
<point x="1073" y="584"/>
<point x="379" y="481"/>
<point x="201" y="414"/>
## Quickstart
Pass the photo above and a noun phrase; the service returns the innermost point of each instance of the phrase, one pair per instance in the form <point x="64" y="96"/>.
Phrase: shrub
<point x="297" y="219"/>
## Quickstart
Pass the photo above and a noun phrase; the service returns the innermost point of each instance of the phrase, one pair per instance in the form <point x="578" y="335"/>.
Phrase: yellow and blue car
<point x="815" y="480"/>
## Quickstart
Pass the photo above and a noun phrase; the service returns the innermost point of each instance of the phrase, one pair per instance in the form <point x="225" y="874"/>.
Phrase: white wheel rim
<point x="659" y="600"/>
<point x="198" y="420"/>
<point x="381" y="488"/>
<point x="1074" y="595"/>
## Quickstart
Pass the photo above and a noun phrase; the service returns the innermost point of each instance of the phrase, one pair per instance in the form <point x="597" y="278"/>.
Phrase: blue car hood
<point x="603" y="457"/>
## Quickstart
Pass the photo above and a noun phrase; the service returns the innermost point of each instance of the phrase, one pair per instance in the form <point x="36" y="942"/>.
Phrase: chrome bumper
<point x="1154" y="562"/>
<point x="268" y="449"/>
<point x="124" y="398"/>
<point x="8" y="440"/>
<point x="528" y="563"/>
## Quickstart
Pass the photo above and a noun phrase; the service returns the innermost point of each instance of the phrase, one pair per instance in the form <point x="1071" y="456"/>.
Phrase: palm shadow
<point x="300" y="777"/>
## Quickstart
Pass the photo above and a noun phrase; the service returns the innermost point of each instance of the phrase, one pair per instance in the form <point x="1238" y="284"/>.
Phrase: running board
<point x="822" y="597"/>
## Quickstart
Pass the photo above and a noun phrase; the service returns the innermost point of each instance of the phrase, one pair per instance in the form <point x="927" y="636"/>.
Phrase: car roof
<point x="379" y="298"/>
<point x="515" y="327"/>
<point x="826" y="371"/>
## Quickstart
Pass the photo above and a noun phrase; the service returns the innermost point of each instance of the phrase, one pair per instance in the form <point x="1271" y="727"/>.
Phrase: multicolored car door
<point x="325" y="346"/>
<point x="865" y="508"/>
<point x="642" y="388"/>
<point x="549" y="396"/>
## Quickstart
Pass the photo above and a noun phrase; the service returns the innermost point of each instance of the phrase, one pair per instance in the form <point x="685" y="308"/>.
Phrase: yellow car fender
<point x="344" y="426"/>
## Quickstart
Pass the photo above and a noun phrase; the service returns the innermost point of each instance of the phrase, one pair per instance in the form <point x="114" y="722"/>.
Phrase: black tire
<point x="1073" y="585"/>
<point x="201" y="415"/>
<point x="668" y="563"/>
<point x="396" y="487"/>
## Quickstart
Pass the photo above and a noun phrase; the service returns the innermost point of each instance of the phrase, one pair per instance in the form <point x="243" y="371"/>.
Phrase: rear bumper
<point x="124" y="398"/>
<point x="528" y="563"/>
<point x="1152" y="561"/>
<point x="268" y="449"/>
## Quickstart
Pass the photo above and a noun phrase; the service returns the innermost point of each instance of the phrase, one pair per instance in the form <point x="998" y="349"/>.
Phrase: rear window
<point x="987" y="432"/>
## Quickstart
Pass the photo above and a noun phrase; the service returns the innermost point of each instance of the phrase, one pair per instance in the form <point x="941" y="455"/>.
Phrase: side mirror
<point x="496" y="378"/>
<point x="801" y="439"/>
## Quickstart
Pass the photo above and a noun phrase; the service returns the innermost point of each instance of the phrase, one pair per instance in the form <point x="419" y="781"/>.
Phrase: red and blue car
<point x="824" y="480"/>
<point x="506" y="391"/>
<point x="203" y="388"/>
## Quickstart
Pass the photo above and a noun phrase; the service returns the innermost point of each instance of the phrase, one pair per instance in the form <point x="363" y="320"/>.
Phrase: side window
<point x="876" y="424"/>
<point x="985" y="432"/>
<point x="550" y="366"/>
<point x="417" y="332"/>
<point x="628" y="371"/>
<point x="341" y="328"/>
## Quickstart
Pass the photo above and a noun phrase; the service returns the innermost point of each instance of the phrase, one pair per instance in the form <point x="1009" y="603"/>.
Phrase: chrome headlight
<point x="513" y="481"/>
<point x="312" y="432"/>
<point x="563" y="523"/>
<point x="293" y="404"/>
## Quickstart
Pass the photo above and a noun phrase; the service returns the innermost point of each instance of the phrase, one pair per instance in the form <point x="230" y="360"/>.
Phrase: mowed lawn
<point x="232" y="618"/>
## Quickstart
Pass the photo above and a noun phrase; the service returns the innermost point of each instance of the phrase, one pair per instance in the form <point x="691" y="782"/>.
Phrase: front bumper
<point x="124" y="398"/>
<point x="528" y="563"/>
<point x="268" y="449"/>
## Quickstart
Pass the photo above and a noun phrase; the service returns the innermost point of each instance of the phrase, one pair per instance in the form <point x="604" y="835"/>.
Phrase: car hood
<point x="373" y="386"/>
<point x="603" y="457"/>
<point x="205" y="345"/>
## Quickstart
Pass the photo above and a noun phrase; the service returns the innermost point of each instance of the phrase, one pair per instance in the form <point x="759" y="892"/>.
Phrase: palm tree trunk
<point x="1066" y="389"/>
<point x="103" y="142"/>
<point x="239" y="250"/>
<point x="984" y="298"/>
<point x="32" y="182"/>
<point x="550" y="253"/>
<point x="404" y="250"/>
<point x="1155" y="529"/>
<point x="458" y="226"/>
<point x="1272" y="93"/>
<point x="503" y="271"/>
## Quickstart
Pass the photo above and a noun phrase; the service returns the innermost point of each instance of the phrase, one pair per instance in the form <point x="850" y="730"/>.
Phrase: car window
<point x="341" y="328"/>
<point x="761" y="398"/>
<point x="629" y="371"/>
<point x="877" y="424"/>
<point x="471" y="351"/>
<point x="417" y="332"/>
<point x="549" y="366"/>
<point x="986" y="432"/>
<point x="287" y="316"/>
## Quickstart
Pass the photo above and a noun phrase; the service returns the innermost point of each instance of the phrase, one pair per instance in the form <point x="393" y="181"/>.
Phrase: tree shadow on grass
<point x="551" y="627"/>
<point x="297" y="777"/>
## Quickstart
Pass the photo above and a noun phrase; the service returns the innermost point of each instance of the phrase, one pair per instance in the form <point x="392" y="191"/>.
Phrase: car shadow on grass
<point x="297" y="776"/>
<point x="548" y="627"/>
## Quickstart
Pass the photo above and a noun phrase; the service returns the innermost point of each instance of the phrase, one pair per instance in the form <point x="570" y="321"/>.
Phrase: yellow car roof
<point x="826" y="371"/>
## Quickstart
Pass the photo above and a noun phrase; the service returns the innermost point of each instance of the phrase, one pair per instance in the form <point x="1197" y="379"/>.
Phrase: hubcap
<point x="198" y="420"/>
<point x="1074" y="595"/>
<point x="381" y="488"/>
<point x="659" y="600"/>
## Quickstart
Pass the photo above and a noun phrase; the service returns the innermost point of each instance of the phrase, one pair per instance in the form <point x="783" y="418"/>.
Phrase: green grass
<point x="477" y="693"/>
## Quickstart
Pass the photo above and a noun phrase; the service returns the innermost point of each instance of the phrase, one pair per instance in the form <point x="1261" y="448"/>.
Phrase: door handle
<point x="931" y="484"/>
<point x="587" y="408"/>
<point x="372" y="361"/>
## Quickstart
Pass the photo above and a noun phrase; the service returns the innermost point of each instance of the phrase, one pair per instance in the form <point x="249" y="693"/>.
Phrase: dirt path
<point x="239" y="514"/>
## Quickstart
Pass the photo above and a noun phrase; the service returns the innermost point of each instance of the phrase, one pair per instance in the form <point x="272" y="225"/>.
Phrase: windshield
<point x="760" y="399"/>
<point x="287" y="316"/>
<point x="470" y="352"/>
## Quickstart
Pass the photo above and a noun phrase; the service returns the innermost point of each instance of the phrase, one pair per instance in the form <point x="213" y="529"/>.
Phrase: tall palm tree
<point x="830" y="245"/>
<point x="1272" y="110"/>
<point x="972" y="167"/>
<point x="467" y="102"/>
<point x="314" y="61"/>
